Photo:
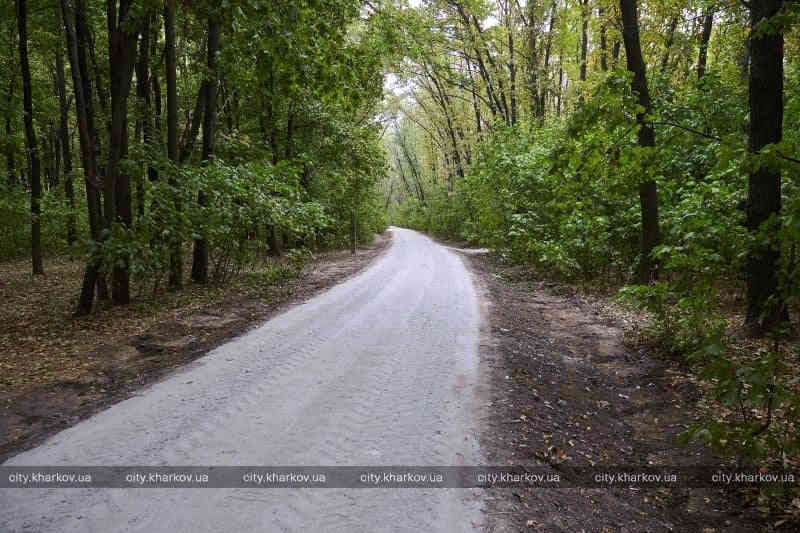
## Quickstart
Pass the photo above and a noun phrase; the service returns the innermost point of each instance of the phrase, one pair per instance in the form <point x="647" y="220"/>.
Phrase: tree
<point x="648" y="190"/>
<point x="705" y="37"/>
<point x="75" y="31"/>
<point x="765" y="306"/>
<point x="31" y="144"/>
<point x="176" y="257"/>
<point x="122" y="58"/>
<point x="63" y="129"/>
<point x="200" y="257"/>
<point x="584" y="37"/>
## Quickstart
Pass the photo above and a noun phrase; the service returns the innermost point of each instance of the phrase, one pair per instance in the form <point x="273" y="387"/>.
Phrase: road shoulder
<point x="563" y="388"/>
<point x="116" y="363"/>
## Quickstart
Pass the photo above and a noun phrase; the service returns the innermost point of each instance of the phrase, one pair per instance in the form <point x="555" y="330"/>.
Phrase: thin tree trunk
<point x="143" y="104"/>
<point x="200" y="253"/>
<point x="532" y="63"/>
<point x="55" y="149"/>
<point x="46" y="160"/>
<point x="475" y="104"/>
<point x="155" y="95"/>
<point x="31" y="144"/>
<point x="705" y="37"/>
<point x="86" y="134"/>
<point x="176" y="254"/>
<point x="603" y="43"/>
<point x="512" y="66"/>
<point x="560" y="82"/>
<point x="648" y="190"/>
<point x="11" y="164"/>
<point x="69" y="191"/>
<point x="289" y="134"/>
<point x="584" y="38"/>
<point x="765" y="303"/>
<point x="193" y="126"/>
<point x="542" y="103"/>
<point x="353" y="231"/>
<point x="673" y="25"/>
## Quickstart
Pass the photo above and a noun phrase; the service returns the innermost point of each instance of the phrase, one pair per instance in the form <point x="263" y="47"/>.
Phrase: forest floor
<point x="56" y="369"/>
<point x="565" y="386"/>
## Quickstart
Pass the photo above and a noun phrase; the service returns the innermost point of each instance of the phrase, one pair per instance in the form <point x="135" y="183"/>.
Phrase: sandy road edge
<point x="142" y="360"/>
<point x="554" y="358"/>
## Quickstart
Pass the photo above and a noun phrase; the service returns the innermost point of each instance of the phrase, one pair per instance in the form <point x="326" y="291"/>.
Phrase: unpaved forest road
<point x="380" y="370"/>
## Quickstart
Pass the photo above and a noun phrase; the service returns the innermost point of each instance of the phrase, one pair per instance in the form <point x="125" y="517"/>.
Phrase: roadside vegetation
<point x="644" y="150"/>
<point x="164" y="161"/>
<point x="162" y="154"/>
<point x="151" y="135"/>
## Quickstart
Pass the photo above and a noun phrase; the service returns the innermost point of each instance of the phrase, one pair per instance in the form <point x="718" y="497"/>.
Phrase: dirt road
<point x="380" y="370"/>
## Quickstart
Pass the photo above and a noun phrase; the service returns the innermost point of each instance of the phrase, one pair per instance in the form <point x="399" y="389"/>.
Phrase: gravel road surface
<point x="380" y="370"/>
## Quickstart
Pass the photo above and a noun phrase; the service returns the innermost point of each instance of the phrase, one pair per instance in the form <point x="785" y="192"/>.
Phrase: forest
<point x="645" y="149"/>
<point x="145" y="136"/>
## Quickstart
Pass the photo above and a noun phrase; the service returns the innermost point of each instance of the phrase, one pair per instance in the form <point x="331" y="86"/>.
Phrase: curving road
<point x="379" y="370"/>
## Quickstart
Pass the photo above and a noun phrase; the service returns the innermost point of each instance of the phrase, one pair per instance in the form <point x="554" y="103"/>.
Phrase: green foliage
<point x="757" y="395"/>
<point x="562" y="197"/>
<point x="15" y="229"/>
<point x="245" y="205"/>
<point x="14" y="236"/>
<point x="281" y="273"/>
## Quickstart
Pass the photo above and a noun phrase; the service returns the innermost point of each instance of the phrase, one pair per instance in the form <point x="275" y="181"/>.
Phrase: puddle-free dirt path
<point x="564" y="387"/>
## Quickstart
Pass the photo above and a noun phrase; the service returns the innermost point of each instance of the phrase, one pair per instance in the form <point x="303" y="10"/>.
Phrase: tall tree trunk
<point x="705" y="37"/>
<point x="31" y="144"/>
<point x="648" y="190"/>
<point x="603" y="43"/>
<point x="744" y="59"/>
<point x="69" y="191"/>
<point x="765" y="303"/>
<point x="193" y="125"/>
<point x="532" y="63"/>
<point x="11" y="164"/>
<point x="155" y="94"/>
<point x="560" y="88"/>
<point x="476" y="108"/>
<point x="200" y="253"/>
<point x="87" y="136"/>
<point x="143" y="125"/>
<point x="584" y="38"/>
<point x="288" y="152"/>
<point x="176" y="255"/>
<point x="673" y="25"/>
<point x="512" y="66"/>
<point x="84" y="44"/>
<point x="542" y="102"/>
<point x="353" y="231"/>
<point x="122" y="58"/>
<point x="46" y="160"/>
<point x="102" y="94"/>
<point x="55" y="152"/>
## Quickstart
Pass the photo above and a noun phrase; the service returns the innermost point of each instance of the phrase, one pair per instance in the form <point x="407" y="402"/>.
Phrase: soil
<point x="562" y="382"/>
<point x="115" y="369"/>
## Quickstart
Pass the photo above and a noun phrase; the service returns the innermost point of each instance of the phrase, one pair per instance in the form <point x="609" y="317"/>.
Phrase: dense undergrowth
<point x="253" y="210"/>
<point x="562" y="199"/>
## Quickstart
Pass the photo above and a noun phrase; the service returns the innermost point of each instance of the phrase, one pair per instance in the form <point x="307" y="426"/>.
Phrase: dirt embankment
<point x="56" y="370"/>
<point x="563" y="385"/>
